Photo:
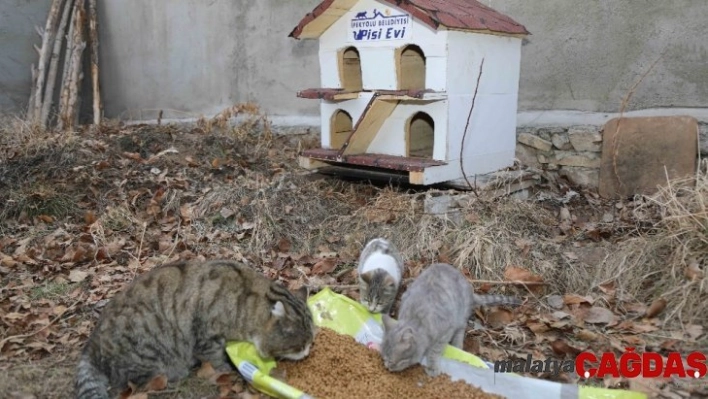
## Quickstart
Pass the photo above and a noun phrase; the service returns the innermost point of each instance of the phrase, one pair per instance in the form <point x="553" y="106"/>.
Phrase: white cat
<point x="380" y="275"/>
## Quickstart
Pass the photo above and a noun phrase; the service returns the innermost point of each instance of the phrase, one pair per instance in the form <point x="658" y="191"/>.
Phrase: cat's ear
<point x="388" y="322"/>
<point x="407" y="336"/>
<point x="301" y="293"/>
<point x="278" y="310"/>
<point x="389" y="281"/>
<point x="366" y="277"/>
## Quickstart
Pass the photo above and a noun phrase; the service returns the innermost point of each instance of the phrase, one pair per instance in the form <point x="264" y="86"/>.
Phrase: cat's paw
<point x="432" y="371"/>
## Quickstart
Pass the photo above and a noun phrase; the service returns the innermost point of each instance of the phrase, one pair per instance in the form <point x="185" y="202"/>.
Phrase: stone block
<point x="527" y="155"/>
<point x="561" y="141"/>
<point x="547" y="132"/>
<point x="534" y="141"/>
<point x="582" y="177"/>
<point x="582" y="159"/>
<point x="585" y="138"/>
<point x="703" y="139"/>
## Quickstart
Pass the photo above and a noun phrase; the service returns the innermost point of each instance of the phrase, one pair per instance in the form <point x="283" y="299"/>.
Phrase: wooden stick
<point x="64" y="90"/>
<point x="76" y="64"/>
<point x="33" y="93"/>
<point x="47" y="37"/>
<point x="93" y="33"/>
<point x="54" y="63"/>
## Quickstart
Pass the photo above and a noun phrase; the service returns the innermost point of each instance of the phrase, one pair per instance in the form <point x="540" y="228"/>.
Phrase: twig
<point x="464" y="134"/>
<point x="54" y="320"/>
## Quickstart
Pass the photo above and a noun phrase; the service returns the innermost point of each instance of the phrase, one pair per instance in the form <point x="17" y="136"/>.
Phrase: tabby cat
<point x="175" y="316"/>
<point x="380" y="275"/>
<point x="433" y="313"/>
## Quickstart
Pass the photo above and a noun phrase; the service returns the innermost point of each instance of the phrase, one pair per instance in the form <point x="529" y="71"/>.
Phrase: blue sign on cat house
<point x="397" y="84"/>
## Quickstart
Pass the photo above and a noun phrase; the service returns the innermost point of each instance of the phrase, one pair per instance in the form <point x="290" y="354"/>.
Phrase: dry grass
<point x="236" y="189"/>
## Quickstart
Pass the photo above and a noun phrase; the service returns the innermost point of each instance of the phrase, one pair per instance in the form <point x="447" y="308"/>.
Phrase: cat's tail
<point x="91" y="383"/>
<point x="495" y="300"/>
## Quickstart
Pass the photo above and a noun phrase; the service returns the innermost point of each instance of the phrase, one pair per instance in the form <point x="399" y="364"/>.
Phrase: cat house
<point x="420" y="88"/>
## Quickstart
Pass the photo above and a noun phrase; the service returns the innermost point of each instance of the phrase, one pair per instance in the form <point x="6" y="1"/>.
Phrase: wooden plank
<point x="368" y="126"/>
<point x="638" y="153"/>
<point x="345" y="96"/>
<point x="310" y="164"/>
<point x="320" y="24"/>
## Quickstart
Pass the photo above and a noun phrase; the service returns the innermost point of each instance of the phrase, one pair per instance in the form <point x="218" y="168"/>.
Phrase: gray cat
<point x="175" y="316"/>
<point x="380" y="274"/>
<point x="433" y="313"/>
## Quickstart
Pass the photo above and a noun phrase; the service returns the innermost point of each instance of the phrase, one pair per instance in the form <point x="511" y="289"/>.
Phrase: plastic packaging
<point x="346" y="316"/>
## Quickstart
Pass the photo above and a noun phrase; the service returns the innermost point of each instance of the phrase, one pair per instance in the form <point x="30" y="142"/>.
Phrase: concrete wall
<point x="190" y="57"/>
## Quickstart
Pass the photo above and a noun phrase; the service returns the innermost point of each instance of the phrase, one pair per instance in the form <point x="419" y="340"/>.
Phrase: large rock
<point x="534" y="141"/>
<point x="703" y="138"/>
<point x="561" y="141"/>
<point x="639" y="154"/>
<point x="583" y="159"/>
<point x="585" y="138"/>
<point x="527" y="155"/>
<point x="582" y="177"/>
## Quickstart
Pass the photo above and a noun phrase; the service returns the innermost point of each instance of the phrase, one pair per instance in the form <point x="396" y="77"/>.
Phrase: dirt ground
<point x="84" y="213"/>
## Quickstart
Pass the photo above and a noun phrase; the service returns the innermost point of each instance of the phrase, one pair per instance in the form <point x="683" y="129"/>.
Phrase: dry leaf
<point x="284" y="245"/>
<point x="587" y="335"/>
<point x="693" y="271"/>
<point x="573" y="299"/>
<point x="46" y="218"/>
<point x="513" y="273"/>
<point x="90" y="217"/>
<point x="158" y="383"/>
<point x="499" y="318"/>
<point x="655" y="308"/>
<point x="537" y="327"/>
<point x="324" y="266"/>
<point x="206" y="371"/>
<point x="77" y="276"/>
<point x="598" y="315"/>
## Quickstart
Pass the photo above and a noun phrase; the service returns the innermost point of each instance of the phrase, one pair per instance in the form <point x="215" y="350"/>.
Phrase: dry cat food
<point x="340" y="367"/>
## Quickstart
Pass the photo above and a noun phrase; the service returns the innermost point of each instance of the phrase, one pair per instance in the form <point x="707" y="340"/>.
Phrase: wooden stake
<point x="47" y="38"/>
<point x="93" y="35"/>
<point x="75" y="75"/>
<point x="54" y="64"/>
<point x="64" y="88"/>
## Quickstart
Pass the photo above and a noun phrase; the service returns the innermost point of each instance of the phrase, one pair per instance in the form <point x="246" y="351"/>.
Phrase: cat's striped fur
<point x="433" y="313"/>
<point x="380" y="272"/>
<point x="177" y="315"/>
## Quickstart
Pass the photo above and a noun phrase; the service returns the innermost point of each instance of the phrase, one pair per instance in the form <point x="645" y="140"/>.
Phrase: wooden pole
<point x="47" y="38"/>
<point x="64" y="89"/>
<point x="54" y="63"/>
<point x="93" y="34"/>
<point x="75" y="74"/>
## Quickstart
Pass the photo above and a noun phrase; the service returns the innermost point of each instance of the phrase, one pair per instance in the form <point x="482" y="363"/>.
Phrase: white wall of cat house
<point x="490" y="142"/>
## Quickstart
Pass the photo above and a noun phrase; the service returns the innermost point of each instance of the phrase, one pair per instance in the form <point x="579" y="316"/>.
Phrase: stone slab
<point x="639" y="152"/>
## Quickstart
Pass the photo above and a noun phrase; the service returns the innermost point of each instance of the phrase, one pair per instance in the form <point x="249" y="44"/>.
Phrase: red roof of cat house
<point x="467" y="15"/>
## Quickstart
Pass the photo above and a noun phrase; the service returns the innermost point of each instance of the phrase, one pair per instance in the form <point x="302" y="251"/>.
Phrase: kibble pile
<point x="340" y="367"/>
